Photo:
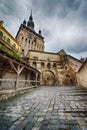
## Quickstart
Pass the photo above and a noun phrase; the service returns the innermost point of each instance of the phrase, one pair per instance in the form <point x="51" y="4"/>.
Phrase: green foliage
<point x="13" y="54"/>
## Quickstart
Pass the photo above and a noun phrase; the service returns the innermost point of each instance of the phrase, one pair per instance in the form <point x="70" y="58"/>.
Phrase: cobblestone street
<point x="47" y="108"/>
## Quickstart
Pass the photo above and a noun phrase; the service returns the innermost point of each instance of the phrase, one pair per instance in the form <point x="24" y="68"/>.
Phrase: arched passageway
<point x="48" y="78"/>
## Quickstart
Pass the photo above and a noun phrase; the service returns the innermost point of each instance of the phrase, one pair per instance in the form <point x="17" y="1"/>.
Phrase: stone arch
<point x="48" y="78"/>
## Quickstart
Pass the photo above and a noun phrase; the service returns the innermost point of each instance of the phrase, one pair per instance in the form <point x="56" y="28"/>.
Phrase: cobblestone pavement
<point x="47" y="108"/>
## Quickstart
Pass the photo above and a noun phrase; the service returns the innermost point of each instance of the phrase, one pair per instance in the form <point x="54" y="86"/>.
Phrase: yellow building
<point x="8" y="40"/>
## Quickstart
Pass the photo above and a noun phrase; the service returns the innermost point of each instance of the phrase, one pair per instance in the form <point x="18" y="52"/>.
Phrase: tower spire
<point x="31" y="17"/>
<point x="31" y="11"/>
<point x="30" y="23"/>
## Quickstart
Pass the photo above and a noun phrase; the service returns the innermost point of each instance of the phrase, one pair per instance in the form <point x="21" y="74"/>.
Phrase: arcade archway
<point x="48" y="78"/>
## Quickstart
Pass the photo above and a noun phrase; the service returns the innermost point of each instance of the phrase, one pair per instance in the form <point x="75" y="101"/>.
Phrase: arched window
<point x="29" y="41"/>
<point x="54" y="65"/>
<point x="48" y="65"/>
<point x="26" y="40"/>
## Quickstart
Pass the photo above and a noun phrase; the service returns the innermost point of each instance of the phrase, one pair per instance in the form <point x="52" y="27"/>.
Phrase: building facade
<point x="55" y="68"/>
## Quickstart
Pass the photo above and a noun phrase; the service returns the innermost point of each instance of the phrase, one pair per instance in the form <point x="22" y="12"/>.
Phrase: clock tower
<point x="29" y="38"/>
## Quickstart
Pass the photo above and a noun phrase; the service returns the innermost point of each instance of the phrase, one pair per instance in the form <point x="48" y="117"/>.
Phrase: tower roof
<point x="30" y="22"/>
<point x="31" y="17"/>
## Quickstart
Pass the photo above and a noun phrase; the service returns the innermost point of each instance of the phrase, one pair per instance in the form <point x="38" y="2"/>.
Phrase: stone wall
<point x="74" y="63"/>
<point x="54" y="68"/>
<point x="10" y="84"/>
<point x="82" y="75"/>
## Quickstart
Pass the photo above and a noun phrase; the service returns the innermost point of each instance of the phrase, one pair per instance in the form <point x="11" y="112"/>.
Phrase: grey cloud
<point x="63" y="22"/>
<point x="81" y="46"/>
<point x="8" y="8"/>
<point x="73" y="4"/>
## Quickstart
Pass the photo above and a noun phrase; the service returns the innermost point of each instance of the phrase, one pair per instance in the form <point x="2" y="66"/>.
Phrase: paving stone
<point x="37" y="124"/>
<point x="83" y="127"/>
<point x="45" y="122"/>
<point x="82" y="114"/>
<point x="3" y="128"/>
<point x="85" y="119"/>
<point x="74" y="127"/>
<point x="86" y="114"/>
<point x="53" y="122"/>
<point x="40" y="119"/>
<point x="71" y="122"/>
<point x="81" y="122"/>
<point x="46" y="108"/>
<point x="75" y="114"/>
<point x="54" y="117"/>
<point x="35" y="128"/>
<point x="44" y="127"/>
<point x="12" y="127"/>
<point x="29" y="126"/>
<point x="63" y="127"/>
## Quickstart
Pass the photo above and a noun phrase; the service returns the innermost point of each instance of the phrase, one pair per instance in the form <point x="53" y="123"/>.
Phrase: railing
<point x="11" y="83"/>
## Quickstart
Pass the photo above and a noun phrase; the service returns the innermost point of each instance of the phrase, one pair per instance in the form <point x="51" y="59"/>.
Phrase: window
<point x="8" y="40"/>
<point x="29" y="41"/>
<point x="34" y="64"/>
<point x="48" y="65"/>
<point x="13" y="45"/>
<point x="22" y="38"/>
<point x="26" y="40"/>
<point x="65" y="67"/>
<point x="68" y="76"/>
<point x="22" y="50"/>
<point x="54" y="65"/>
<point x="42" y="64"/>
<point x="1" y="34"/>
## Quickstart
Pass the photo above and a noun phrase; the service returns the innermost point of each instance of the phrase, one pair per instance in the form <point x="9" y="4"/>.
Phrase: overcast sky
<point x="63" y="22"/>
